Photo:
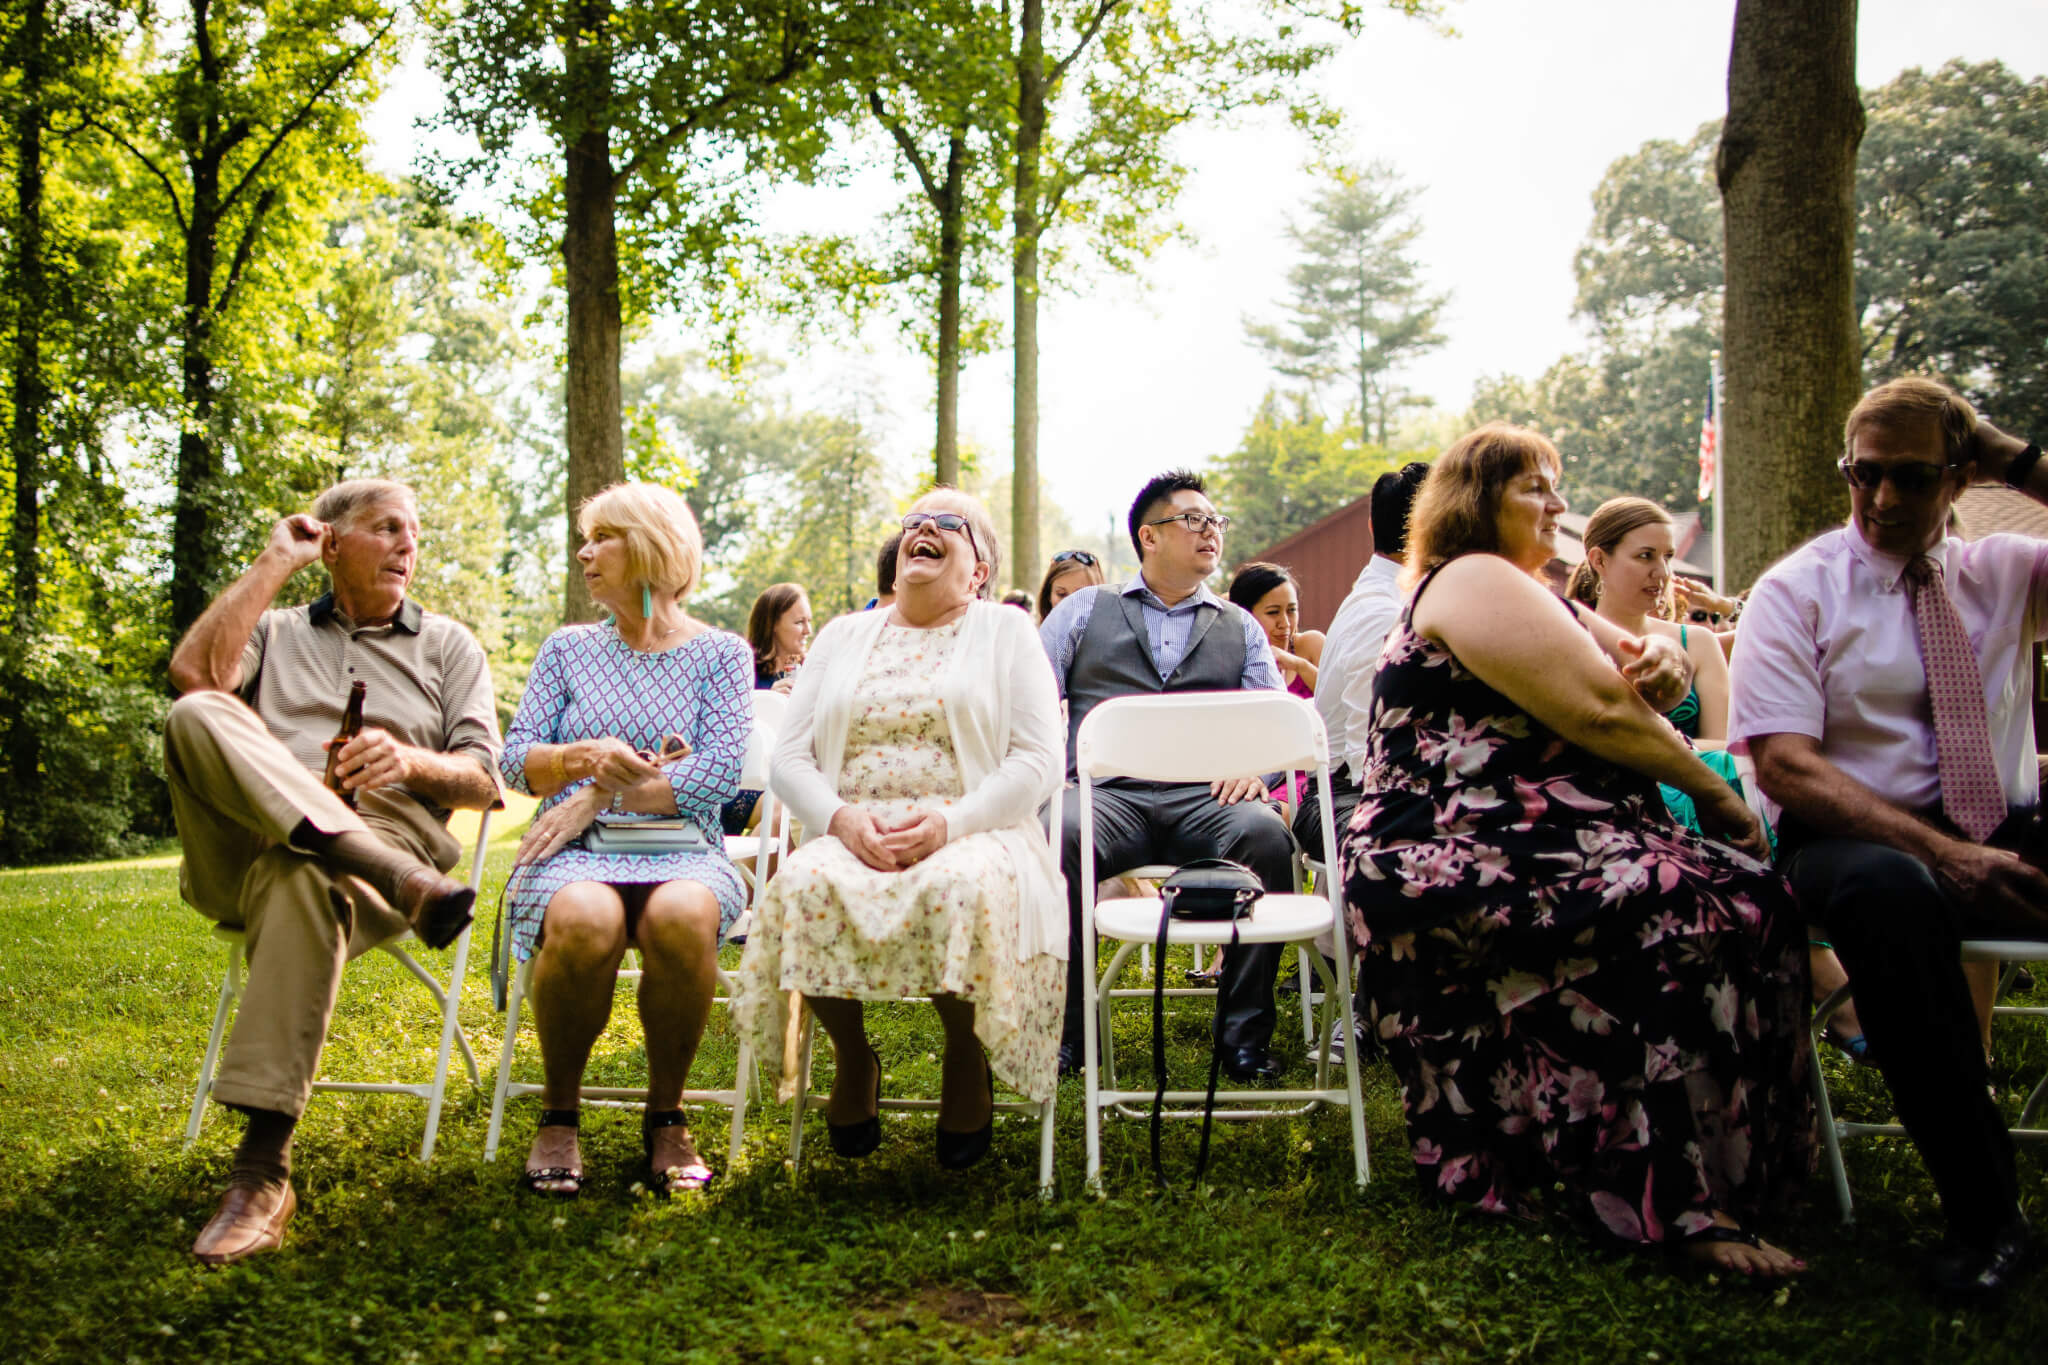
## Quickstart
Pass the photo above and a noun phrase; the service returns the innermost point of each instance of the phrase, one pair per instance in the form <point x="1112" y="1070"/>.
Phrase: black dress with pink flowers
<point x="1574" y="990"/>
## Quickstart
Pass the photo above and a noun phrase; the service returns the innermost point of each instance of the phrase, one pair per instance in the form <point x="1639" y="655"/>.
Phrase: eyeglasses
<point x="1912" y="479"/>
<point x="945" y="521"/>
<point x="1081" y="557"/>
<point x="1197" y="522"/>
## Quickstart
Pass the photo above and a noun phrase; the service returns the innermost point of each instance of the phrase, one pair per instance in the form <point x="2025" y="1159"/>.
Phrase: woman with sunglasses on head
<point x="921" y="740"/>
<point x="1069" y="572"/>
<point x="644" y="715"/>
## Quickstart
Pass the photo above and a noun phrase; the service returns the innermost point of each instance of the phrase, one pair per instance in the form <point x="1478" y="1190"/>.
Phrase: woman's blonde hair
<point x="1610" y="524"/>
<point x="1457" y="512"/>
<point x="664" y="548"/>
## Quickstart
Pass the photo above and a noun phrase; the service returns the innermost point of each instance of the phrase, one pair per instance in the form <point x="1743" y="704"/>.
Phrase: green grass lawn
<point x="107" y="983"/>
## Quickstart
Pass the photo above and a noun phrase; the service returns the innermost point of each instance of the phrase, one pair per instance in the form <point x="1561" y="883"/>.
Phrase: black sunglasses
<point x="945" y="521"/>
<point x="1702" y="617"/>
<point x="1911" y="479"/>
<point x="1075" y="557"/>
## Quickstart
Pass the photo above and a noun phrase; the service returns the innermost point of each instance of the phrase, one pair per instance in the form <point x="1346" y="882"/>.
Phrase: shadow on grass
<point x="106" y="986"/>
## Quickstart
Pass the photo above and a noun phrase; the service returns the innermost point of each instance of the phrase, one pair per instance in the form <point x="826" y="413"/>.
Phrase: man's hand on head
<point x="1658" y="670"/>
<point x="373" y="759"/>
<point x="298" y="540"/>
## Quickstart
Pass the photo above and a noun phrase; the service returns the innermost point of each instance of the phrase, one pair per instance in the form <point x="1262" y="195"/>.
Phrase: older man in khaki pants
<point x="316" y="879"/>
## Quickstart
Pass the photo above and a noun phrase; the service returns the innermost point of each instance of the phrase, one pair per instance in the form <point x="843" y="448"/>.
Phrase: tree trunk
<point x="1787" y="172"/>
<point x="195" y="524"/>
<point x="31" y="394"/>
<point x="952" y="245"/>
<point x="590" y="253"/>
<point x="1024" y="556"/>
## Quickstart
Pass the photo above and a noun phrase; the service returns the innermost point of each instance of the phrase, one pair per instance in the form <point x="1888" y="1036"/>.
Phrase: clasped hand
<point x="1658" y="670"/>
<point x="888" y="844"/>
<point x="1995" y="884"/>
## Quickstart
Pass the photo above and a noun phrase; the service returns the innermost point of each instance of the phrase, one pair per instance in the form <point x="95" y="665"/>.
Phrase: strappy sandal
<point x="1678" y="1250"/>
<point x="556" y="1182"/>
<point x="686" y="1178"/>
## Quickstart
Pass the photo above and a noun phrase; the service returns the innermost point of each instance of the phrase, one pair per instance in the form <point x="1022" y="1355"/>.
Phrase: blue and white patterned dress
<point x="587" y="683"/>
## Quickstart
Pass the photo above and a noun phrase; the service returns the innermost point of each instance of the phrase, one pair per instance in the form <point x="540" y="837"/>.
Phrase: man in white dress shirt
<point x="1351" y="652"/>
<point x="1882" y="682"/>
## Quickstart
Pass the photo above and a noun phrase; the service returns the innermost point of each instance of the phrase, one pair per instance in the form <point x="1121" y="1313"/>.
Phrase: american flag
<point x="1710" y="442"/>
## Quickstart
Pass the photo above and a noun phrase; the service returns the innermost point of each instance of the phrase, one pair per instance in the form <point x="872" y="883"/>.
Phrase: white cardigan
<point x="1003" y="710"/>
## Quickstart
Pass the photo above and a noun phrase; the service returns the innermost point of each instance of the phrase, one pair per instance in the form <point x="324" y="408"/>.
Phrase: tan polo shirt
<point x="425" y="676"/>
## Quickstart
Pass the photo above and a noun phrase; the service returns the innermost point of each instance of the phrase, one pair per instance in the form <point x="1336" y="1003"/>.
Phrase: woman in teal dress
<point x="1627" y="578"/>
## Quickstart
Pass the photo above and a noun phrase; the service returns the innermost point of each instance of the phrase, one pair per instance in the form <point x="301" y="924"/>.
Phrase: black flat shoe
<point x="958" y="1151"/>
<point x="857" y="1139"/>
<point x="1961" y="1273"/>
<point x="1250" y="1065"/>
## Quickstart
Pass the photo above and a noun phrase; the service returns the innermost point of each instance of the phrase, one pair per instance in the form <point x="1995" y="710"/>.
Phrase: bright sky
<point x="1504" y="129"/>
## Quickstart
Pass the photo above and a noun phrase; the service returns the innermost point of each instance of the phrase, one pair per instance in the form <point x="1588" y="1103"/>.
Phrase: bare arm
<point x="1990" y="451"/>
<point x="1793" y="772"/>
<point x="209" y="658"/>
<point x="1655" y="666"/>
<point x="375" y="758"/>
<point x="1507" y="629"/>
<point x="1710" y="676"/>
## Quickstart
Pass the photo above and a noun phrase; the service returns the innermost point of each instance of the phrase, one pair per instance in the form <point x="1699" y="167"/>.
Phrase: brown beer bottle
<point x="351" y="726"/>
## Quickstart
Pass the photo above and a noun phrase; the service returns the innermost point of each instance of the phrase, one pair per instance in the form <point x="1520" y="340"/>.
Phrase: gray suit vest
<point x="1114" y="659"/>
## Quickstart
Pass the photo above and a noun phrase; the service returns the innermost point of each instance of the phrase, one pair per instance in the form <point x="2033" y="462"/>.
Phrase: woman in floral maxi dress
<point x="1575" y="991"/>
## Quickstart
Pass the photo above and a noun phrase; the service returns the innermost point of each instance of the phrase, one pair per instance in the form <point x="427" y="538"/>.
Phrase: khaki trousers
<point x="238" y="795"/>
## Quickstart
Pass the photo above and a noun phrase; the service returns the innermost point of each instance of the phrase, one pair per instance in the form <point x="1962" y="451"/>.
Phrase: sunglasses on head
<point x="1081" y="557"/>
<point x="1912" y="479"/>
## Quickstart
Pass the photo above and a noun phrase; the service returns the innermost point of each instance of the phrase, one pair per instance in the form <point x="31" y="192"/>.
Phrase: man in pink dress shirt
<point x="1833" y="696"/>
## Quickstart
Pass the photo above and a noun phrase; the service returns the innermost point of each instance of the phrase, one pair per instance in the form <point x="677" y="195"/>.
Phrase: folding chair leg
<point x="803" y="1095"/>
<point x="1830" y="1135"/>
<point x="1308" y="1011"/>
<point x="513" y="998"/>
<point x="1045" y="1114"/>
<point x="230" y="990"/>
<point x="742" y="1087"/>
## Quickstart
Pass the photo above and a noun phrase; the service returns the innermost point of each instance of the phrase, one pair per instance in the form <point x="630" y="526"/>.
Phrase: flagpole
<point x="1721" y="581"/>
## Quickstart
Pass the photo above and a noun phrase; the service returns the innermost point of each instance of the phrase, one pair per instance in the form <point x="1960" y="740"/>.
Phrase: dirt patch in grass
<point x="974" y="1309"/>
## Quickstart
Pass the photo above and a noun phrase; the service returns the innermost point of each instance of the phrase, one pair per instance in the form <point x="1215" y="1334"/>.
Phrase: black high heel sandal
<point x="857" y="1139"/>
<point x="958" y="1151"/>
<point x="556" y="1182"/>
<point x="687" y="1178"/>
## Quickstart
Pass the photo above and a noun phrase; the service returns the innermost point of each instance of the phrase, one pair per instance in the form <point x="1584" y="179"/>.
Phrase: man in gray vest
<point x="1164" y="631"/>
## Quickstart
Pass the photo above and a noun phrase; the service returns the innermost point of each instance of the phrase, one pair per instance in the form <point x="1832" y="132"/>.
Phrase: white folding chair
<point x="1243" y="734"/>
<point x="754" y="854"/>
<point x="447" y="999"/>
<point x="733" y="1097"/>
<point x="2011" y="953"/>
<point x="1042" y="1111"/>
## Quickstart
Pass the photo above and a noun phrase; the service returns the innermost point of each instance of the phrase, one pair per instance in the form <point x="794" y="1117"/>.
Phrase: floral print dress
<point x="829" y="925"/>
<point x="1574" y="991"/>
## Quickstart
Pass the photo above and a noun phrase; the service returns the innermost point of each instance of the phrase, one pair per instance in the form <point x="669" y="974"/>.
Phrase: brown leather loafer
<point x="438" y="908"/>
<point x="251" y="1219"/>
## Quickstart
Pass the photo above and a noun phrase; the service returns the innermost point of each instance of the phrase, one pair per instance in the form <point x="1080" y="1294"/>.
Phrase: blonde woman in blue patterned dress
<point x="647" y="714"/>
<point x="921" y="740"/>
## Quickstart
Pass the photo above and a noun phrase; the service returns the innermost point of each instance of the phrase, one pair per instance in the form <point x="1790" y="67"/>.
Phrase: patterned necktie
<point x="1971" y="794"/>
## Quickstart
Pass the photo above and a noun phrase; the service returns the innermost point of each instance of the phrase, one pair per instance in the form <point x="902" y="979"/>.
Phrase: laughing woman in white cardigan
<point x="922" y="738"/>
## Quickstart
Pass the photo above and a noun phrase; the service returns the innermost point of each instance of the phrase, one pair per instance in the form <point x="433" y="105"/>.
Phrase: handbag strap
<point x="1159" y="1050"/>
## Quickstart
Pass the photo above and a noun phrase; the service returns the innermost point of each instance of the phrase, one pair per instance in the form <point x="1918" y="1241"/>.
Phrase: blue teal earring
<point x="646" y="601"/>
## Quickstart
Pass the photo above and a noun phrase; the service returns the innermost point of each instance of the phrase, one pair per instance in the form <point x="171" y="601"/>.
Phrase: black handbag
<point x="1205" y="889"/>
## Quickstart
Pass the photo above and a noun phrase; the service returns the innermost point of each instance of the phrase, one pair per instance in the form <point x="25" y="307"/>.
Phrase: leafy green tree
<point x="1292" y="467"/>
<point x="1950" y="278"/>
<point x="1358" y="309"/>
<point x="245" y="118"/>
<point x="1101" y="87"/>
<point x="1952" y="235"/>
<point x="651" y="116"/>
